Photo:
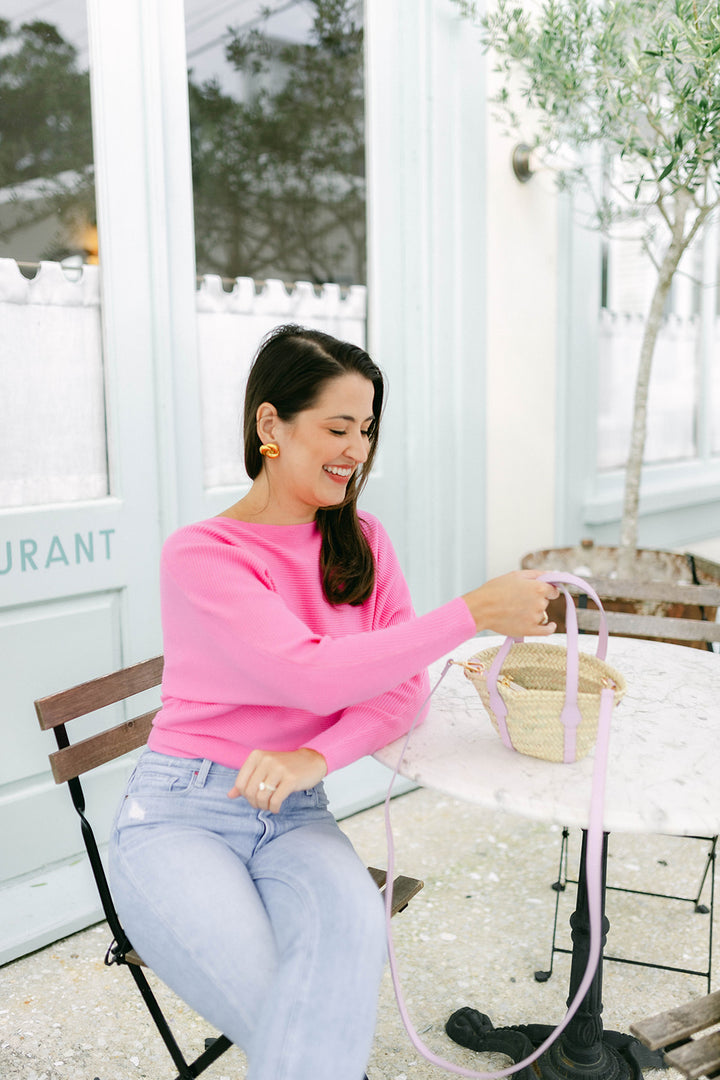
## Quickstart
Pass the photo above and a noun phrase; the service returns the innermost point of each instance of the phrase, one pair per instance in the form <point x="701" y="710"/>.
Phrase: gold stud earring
<point x="271" y="450"/>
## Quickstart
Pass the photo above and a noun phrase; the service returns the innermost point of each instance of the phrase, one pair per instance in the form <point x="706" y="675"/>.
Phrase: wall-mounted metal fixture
<point x="522" y="163"/>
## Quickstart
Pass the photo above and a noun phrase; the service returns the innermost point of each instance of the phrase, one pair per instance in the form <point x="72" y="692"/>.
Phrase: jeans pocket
<point x="161" y="780"/>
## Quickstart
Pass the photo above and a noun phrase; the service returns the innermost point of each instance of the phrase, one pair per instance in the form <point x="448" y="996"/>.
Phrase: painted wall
<point x="522" y="300"/>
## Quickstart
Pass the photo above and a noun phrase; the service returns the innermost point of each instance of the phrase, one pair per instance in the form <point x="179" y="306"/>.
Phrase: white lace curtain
<point x="230" y="328"/>
<point x="52" y="399"/>
<point x="53" y="440"/>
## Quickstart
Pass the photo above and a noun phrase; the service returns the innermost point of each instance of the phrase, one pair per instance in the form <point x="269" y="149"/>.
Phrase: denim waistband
<point x="202" y="770"/>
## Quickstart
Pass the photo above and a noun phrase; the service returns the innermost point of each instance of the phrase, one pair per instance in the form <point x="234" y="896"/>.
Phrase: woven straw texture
<point x="532" y="685"/>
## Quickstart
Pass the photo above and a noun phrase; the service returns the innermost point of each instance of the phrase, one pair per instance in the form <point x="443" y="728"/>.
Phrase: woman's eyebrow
<point x="351" y="419"/>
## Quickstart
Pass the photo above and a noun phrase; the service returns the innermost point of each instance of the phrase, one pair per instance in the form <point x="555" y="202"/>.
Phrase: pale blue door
<point x="80" y="519"/>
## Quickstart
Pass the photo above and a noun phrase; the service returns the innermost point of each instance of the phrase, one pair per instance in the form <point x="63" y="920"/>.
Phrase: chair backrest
<point x="70" y="761"/>
<point x="680" y="613"/>
<point x="55" y="711"/>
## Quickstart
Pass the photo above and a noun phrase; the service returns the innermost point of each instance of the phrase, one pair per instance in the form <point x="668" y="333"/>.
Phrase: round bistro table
<point x="663" y="777"/>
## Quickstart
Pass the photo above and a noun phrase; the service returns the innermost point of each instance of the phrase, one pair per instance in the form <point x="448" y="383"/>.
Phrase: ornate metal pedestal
<point x="584" y="1051"/>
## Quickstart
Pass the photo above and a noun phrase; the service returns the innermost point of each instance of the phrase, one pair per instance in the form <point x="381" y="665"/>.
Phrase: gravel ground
<point x="474" y="936"/>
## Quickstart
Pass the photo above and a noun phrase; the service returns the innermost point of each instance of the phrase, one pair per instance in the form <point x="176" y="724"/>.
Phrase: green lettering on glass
<point x="8" y="549"/>
<point x="60" y="556"/>
<point x="107" y="533"/>
<point x="87" y="549"/>
<point x="26" y="556"/>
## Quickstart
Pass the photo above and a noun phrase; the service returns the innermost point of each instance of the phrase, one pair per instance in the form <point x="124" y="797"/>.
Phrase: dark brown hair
<point x="290" y="371"/>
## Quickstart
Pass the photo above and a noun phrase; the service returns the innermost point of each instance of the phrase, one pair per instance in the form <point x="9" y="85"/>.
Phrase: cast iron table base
<point x="584" y="1051"/>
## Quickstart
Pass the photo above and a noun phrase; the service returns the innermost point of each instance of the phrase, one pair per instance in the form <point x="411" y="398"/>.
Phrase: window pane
<point x="277" y="128"/>
<point x="52" y="409"/>
<point x="673" y="397"/>
<point x="277" y="133"/>
<point x="47" y="190"/>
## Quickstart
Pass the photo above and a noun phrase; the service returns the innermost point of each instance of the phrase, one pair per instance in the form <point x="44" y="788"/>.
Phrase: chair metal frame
<point x="71" y="760"/>
<point x="701" y="909"/>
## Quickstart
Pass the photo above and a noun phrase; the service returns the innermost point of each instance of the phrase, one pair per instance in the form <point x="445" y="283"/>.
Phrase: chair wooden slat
<point x="98" y="749"/>
<point x="622" y="622"/>
<point x="97" y="693"/>
<point x="690" y="1033"/>
<point x="674" y="1025"/>
<point x="404" y="888"/>
<point x="698" y="1057"/>
<point x="614" y="588"/>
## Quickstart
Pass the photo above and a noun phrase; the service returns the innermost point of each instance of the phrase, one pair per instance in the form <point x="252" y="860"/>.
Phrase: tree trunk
<point x="666" y="271"/>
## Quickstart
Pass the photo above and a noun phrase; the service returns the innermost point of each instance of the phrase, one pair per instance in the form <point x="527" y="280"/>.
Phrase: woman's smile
<point x="339" y="473"/>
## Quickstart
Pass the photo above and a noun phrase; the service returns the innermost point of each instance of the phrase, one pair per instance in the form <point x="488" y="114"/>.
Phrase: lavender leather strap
<point x="570" y="715"/>
<point x="594" y="893"/>
<point x="559" y="577"/>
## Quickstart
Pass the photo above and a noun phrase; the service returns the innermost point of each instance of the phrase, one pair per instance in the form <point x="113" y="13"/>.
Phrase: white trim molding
<point x="426" y="278"/>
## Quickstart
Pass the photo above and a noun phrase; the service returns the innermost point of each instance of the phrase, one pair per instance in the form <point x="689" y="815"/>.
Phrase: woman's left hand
<point x="268" y="777"/>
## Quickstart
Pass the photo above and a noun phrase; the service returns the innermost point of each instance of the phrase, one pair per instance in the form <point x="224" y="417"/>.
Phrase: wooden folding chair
<point x="70" y="761"/>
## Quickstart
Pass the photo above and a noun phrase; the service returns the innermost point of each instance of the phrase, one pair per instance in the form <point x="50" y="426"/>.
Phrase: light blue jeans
<point x="268" y="925"/>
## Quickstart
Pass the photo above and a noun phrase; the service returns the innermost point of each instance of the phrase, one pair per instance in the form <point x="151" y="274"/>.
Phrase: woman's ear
<point x="266" y="422"/>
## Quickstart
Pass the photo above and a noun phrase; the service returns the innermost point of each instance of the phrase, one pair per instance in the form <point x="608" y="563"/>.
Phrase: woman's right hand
<point x="514" y="605"/>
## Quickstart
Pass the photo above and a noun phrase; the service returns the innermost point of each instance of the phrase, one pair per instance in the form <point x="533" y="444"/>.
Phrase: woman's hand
<point x="514" y="605"/>
<point x="268" y="777"/>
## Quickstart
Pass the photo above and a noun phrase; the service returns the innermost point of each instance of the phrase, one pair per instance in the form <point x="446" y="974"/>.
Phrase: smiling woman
<point x="320" y="401"/>
<point x="291" y="650"/>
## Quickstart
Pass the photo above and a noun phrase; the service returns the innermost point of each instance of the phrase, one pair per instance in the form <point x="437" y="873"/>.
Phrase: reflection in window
<point x="277" y="128"/>
<point x="53" y="445"/>
<point x="683" y="422"/>
<point x="47" y="193"/>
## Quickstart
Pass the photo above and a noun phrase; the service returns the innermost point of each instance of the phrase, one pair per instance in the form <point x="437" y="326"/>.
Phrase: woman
<point x="291" y="649"/>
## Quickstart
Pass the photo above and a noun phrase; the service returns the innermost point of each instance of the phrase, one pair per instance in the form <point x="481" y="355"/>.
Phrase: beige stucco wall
<point x="521" y="357"/>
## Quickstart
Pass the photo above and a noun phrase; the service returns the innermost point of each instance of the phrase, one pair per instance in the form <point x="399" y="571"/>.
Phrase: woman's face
<point x="320" y="447"/>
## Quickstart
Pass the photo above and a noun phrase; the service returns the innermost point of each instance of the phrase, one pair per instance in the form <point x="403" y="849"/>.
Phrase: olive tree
<point x="634" y="87"/>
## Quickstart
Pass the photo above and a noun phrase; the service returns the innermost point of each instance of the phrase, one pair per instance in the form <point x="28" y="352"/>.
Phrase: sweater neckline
<point x="308" y="528"/>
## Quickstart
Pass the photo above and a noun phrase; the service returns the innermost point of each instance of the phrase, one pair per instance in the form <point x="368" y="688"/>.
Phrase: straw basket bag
<point x="544" y="700"/>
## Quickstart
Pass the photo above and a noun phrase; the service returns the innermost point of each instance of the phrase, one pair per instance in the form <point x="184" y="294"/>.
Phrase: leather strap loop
<point x="570" y="715"/>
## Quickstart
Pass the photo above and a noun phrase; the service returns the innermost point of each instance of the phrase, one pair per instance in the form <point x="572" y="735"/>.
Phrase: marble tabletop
<point x="664" y="761"/>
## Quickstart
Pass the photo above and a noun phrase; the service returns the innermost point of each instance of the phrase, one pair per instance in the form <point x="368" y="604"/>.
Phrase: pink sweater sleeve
<point x="231" y="638"/>
<point x="365" y="727"/>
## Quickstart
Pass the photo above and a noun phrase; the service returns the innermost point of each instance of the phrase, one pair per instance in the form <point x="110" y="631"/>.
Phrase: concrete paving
<point x="474" y="936"/>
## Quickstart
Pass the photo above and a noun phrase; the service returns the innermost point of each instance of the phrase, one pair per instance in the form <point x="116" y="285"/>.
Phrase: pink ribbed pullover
<point x="255" y="656"/>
